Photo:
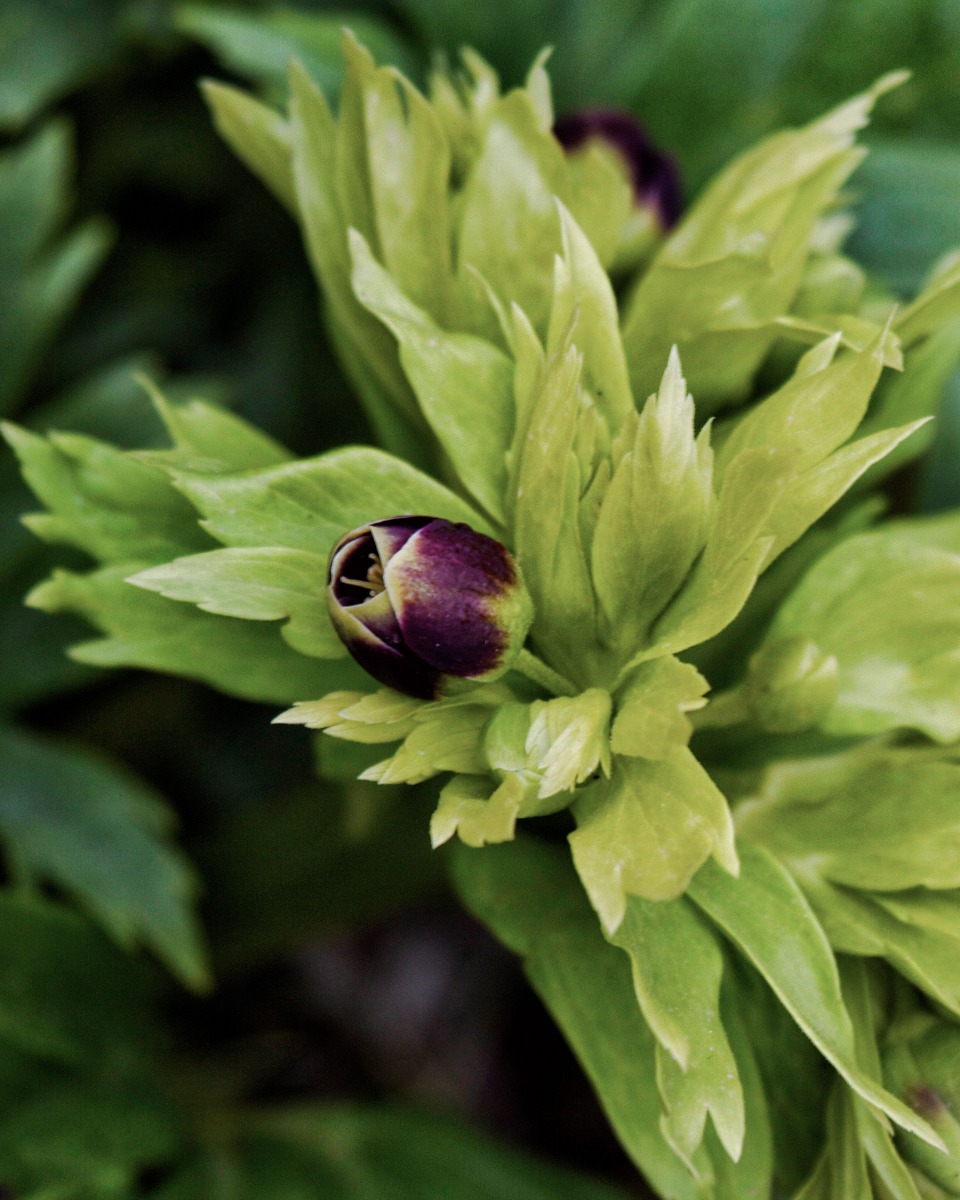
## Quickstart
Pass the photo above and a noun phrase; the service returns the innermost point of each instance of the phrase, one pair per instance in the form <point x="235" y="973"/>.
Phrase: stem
<point x="550" y="680"/>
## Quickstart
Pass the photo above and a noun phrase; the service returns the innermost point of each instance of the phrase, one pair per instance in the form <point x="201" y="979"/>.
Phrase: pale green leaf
<point x="477" y="810"/>
<point x="530" y="897"/>
<point x="812" y="414"/>
<point x="259" y="136"/>
<point x="677" y="966"/>
<point x="911" y="930"/>
<point x="464" y="384"/>
<point x="444" y="738"/>
<point x="583" y="297"/>
<point x="737" y="547"/>
<point x="646" y="831"/>
<point x="910" y="396"/>
<point x="737" y="259"/>
<point x="841" y="1172"/>
<point x="898" y="654"/>
<point x="265" y="584"/>
<point x="140" y="629"/>
<point x="409" y="172"/>
<point x="568" y="740"/>
<point x="764" y="913"/>
<point x="751" y="1176"/>
<point x="102" y="837"/>
<point x="102" y="500"/>
<point x="881" y="821"/>
<point x="309" y="504"/>
<point x="367" y="350"/>
<point x="655" y="513"/>
<point x="205" y="432"/>
<point x="383" y="716"/>
<point x="885" y="1161"/>
<point x="807" y="497"/>
<point x="508" y="228"/>
<point x="547" y="536"/>
<point x="651" y="720"/>
<point x="937" y="303"/>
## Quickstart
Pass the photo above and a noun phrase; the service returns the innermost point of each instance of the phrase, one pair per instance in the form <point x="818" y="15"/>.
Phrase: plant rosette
<point x="647" y="588"/>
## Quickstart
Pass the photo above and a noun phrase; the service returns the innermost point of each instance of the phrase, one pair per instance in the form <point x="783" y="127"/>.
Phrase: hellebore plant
<point x="649" y="592"/>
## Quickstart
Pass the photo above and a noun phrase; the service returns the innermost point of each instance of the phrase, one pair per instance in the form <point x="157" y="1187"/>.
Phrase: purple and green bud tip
<point x="418" y="599"/>
<point x="652" y="172"/>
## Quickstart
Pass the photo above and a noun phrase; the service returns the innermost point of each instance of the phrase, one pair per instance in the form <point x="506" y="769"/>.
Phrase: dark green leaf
<point x="102" y="837"/>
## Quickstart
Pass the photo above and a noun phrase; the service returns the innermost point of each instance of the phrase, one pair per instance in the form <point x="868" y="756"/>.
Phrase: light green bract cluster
<point x="773" y="865"/>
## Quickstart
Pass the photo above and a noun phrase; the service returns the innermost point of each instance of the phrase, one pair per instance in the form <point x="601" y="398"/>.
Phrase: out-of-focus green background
<point x="131" y="242"/>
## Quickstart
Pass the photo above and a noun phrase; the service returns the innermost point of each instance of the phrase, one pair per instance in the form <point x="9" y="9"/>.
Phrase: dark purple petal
<point x="392" y="534"/>
<point x="446" y="585"/>
<point x="653" y="172"/>
<point x="384" y="657"/>
<point x="351" y="561"/>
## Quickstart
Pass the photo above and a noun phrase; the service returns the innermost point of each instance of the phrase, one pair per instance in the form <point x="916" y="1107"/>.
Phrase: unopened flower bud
<point x="924" y="1070"/>
<point x="652" y="173"/>
<point x="417" y="599"/>
<point x="791" y="685"/>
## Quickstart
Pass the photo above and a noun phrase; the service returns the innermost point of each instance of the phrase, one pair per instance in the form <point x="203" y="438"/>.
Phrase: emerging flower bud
<point x="924" y="1069"/>
<point x="415" y="599"/>
<point x="791" y="685"/>
<point x="653" y="174"/>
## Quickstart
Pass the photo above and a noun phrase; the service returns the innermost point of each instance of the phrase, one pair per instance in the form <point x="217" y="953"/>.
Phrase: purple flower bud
<point x="415" y="599"/>
<point x="652" y="172"/>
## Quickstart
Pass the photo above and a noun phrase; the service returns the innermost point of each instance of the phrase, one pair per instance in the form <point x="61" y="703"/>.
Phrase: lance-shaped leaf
<point x="367" y="351"/>
<point x="242" y="658"/>
<point x="102" y="500"/>
<point x="463" y="384"/>
<point x="548" y="544"/>
<point x="583" y="297"/>
<point x="408" y="172"/>
<point x="507" y="226"/>
<point x="910" y="396"/>
<point x="899" y="661"/>
<point x="308" y="504"/>
<point x="736" y="549"/>
<point x="655" y="513"/>
<point x="815" y="411"/>
<point x="259" y="136"/>
<point x="764" y="913"/>
<point x="877" y="1141"/>
<point x="916" y="931"/>
<point x="841" y="1170"/>
<point x="384" y="716"/>
<point x="736" y="261"/>
<point x="677" y="967"/>
<point x="937" y="303"/>
<point x="442" y="739"/>
<point x="42" y="270"/>
<point x="265" y="584"/>
<point x="530" y="897"/>
<point x="647" y="830"/>
<point x="907" y="834"/>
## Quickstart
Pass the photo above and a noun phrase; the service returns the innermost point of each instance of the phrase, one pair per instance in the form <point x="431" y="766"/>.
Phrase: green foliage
<point x="102" y="838"/>
<point x="42" y="270"/>
<point x="733" y="859"/>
